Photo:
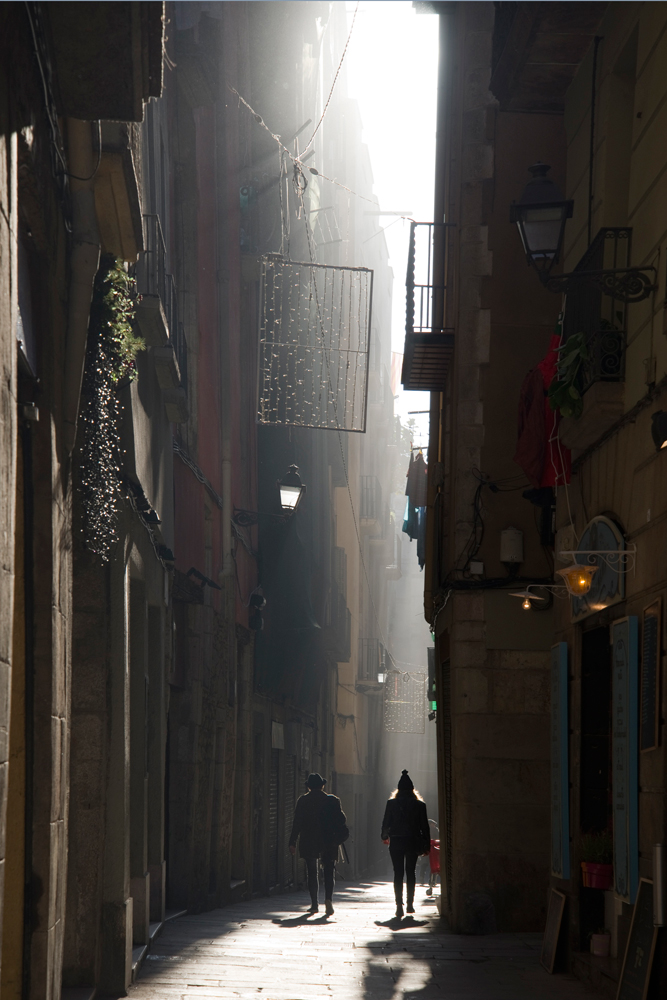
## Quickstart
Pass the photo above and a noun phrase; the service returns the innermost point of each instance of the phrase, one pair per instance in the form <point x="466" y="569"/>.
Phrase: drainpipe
<point x="84" y="262"/>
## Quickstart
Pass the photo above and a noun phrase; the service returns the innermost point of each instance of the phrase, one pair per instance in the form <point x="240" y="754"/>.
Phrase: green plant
<point x="111" y="354"/>
<point x="597" y="848"/>
<point x="114" y="315"/>
<point x="565" y="390"/>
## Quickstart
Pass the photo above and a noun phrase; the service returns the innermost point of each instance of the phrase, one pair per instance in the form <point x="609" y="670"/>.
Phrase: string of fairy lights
<point x="296" y="346"/>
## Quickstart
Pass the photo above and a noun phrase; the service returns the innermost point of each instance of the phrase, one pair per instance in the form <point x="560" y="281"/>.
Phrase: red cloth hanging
<point x="545" y="461"/>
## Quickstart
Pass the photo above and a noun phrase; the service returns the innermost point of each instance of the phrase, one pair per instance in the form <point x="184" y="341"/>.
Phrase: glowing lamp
<point x="527" y="596"/>
<point x="578" y="579"/>
<point x="291" y="490"/>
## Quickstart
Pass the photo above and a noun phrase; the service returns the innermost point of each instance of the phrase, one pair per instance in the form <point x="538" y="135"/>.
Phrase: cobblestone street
<point x="270" y="948"/>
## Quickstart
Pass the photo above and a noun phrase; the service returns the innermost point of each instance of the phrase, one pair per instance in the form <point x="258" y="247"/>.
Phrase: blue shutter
<point x="625" y="646"/>
<point x="560" y="779"/>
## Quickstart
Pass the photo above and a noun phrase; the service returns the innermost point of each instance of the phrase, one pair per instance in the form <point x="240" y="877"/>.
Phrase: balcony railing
<point x="373" y="660"/>
<point x="340" y="569"/>
<point x="429" y="341"/>
<point x="157" y="316"/>
<point x="151" y="271"/>
<point x="601" y="318"/>
<point x="338" y="631"/>
<point x="371" y="499"/>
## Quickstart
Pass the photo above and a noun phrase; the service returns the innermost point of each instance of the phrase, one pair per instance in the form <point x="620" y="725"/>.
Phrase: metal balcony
<point x="373" y="660"/>
<point x="156" y="306"/>
<point x="338" y="628"/>
<point x="371" y="499"/>
<point x="429" y="343"/>
<point x="601" y="317"/>
<point x="157" y="317"/>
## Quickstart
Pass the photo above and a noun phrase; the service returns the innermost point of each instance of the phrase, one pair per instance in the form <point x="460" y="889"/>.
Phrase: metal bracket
<point x="627" y="284"/>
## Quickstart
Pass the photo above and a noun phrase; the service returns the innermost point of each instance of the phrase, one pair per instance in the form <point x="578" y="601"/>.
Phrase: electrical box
<point x="511" y="546"/>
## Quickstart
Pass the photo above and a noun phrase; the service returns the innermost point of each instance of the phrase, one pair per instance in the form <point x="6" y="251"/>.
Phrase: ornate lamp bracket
<point x="248" y="518"/>
<point x="622" y="560"/>
<point x="626" y="284"/>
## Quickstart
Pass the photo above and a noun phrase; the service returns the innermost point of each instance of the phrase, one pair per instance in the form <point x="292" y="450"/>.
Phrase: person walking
<point x="320" y="826"/>
<point x="406" y="829"/>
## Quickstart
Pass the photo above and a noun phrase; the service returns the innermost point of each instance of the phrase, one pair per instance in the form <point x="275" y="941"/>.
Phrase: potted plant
<point x="565" y="390"/>
<point x="597" y="852"/>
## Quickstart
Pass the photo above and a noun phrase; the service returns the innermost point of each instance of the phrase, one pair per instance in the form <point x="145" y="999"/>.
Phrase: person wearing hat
<point x="319" y="825"/>
<point x="405" y="828"/>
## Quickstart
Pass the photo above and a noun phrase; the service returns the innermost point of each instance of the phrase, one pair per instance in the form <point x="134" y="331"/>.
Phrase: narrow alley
<point x="270" y="947"/>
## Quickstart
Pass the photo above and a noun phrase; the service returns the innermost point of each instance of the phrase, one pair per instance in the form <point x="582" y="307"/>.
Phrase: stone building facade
<point x="155" y="734"/>
<point x="579" y="87"/>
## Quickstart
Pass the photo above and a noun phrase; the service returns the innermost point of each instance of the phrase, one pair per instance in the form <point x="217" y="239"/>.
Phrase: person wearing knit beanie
<point x="405" y="828"/>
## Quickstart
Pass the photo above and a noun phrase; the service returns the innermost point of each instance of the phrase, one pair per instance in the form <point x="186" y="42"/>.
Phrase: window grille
<point x="313" y="344"/>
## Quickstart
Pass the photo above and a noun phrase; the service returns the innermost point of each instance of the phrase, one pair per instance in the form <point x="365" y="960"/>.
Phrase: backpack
<point x="338" y="830"/>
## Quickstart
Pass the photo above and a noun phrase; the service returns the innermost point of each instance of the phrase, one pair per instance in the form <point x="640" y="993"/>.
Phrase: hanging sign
<point x="608" y="586"/>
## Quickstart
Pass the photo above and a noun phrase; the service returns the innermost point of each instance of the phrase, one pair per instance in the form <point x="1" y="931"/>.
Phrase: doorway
<point x="595" y="799"/>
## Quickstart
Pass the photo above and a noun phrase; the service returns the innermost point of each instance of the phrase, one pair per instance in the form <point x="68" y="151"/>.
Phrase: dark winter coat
<point x="405" y="817"/>
<point x="318" y="819"/>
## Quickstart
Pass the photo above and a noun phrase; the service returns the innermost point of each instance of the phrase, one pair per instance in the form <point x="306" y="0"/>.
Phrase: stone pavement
<point x="269" y="949"/>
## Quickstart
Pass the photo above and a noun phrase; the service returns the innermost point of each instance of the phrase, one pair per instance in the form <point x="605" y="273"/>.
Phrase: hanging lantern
<point x="577" y="578"/>
<point x="540" y="216"/>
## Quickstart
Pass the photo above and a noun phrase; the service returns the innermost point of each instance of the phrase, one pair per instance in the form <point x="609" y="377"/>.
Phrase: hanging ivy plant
<point x="111" y="355"/>
<point x="565" y="390"/>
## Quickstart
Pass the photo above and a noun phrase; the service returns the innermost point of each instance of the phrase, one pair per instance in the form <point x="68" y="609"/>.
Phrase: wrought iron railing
<point x="181" y="349"/>
<point x="151" y="270"/>
<point x="340" y="569"/>
<point x="373" y="660"/>
<point x="429" y="334"/>
<point x="371" y="498"/>
<point x="425" y="281"/>
<point x="339" y="622"/>
<point x="153" y="281"/>
<point x="602" y="318"/>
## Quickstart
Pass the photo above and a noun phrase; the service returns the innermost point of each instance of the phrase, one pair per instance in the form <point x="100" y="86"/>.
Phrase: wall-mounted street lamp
<point x="540" y="216"/>
<point x="578" y="579"/>
<point x="291" y="490"/>
<point x="527" y="597"/>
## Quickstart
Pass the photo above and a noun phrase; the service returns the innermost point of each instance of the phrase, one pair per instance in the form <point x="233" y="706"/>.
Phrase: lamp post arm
<point x="248" y="518"/>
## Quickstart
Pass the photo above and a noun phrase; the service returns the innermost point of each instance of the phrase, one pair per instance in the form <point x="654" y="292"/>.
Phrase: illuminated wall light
<point x="527" y="597"/>
<point x="578" y="579"/>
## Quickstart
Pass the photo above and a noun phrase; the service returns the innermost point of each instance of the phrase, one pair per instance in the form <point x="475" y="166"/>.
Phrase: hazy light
<point x="392" y="66"/>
